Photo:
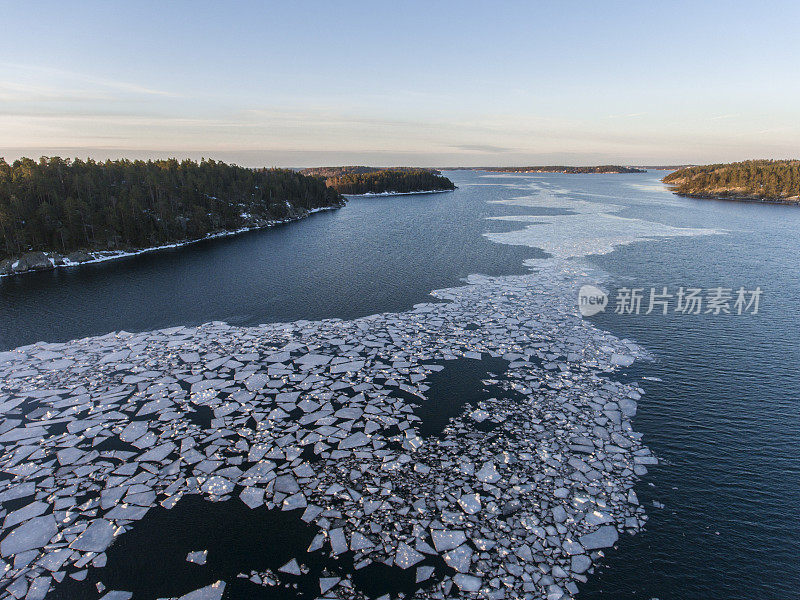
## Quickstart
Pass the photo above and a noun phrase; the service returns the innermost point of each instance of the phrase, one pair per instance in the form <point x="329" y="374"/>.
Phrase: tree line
<point x="401" y="180"/>
<point x="63" y="205"/>
<point x="328" y="172"/>
<point x="768" y="179"/>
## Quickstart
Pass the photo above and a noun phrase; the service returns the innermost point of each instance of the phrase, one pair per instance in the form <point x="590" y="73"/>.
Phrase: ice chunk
<point x="460" y="558"/>
<point x="605" y="537"/>
<point x="291" y="567"/>
<point x="467" y="583"/>
<point x="406" y="556"/>
<point x="197" y="557"/>
<point x="447" y="540"/>
<point x="479" y="416"/>
<point x="559" y="514"/>
<point x="217" y="486"/>
<point x="470" y="503"/>
<point x="34" y="509"/>
<point x="97" y="537"/>
<point x="360" y="542"/>
<point x="39" y="588"/>
<point x="68" y="456"/>
<point x="580" y="563"/>
<point x="286" y="484"/>
<point x="488" y="473"/>
<point x="252" y="497"/>
<point x="294" y="502"/>
<point x="159" y="453"/>
<point x="133" y="431"/>
<point x="338" y="541"/>
<point x="313" y="360"/>
<point x="354" y="441"/>
<point x="210" y="592"/>
<point x="327" y="583"/>
<point x="623" y="360"/>
<point x="29" y="536"/>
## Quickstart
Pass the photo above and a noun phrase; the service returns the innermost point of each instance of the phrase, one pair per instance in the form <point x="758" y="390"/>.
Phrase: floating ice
<point x="197" y="557"/>
<point x="252" y="496"/>
<point x="291" y="567"/>
<point x="460" y="558"/>
<point x="470" y="503"/>
<point x="34" y="509"/>
<point x="217" y="485"/>
<point x="591" y="228"/>
<point x="488" y="473"/>
<point x="318" y="417"/>
<point x="468" y="583"/>
<point x="328" y="583"/>
<point x="605" y="537"/>
<point x="210" y="592"/>
<point x="117" y="595"/>
<point x="338" y="541"/>
<point x="406" y="556"/>
<point x="28" y="536"/>
<point x="97" y="537"/>
<point x="447" y="540"/>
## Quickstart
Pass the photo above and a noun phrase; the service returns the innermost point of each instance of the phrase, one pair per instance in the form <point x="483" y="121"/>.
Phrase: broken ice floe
<point x="321" y="418"/>
<point x="588" y="228"/>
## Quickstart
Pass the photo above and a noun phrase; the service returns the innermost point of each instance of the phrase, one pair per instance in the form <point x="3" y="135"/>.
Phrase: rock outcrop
<point x="32" y="261"/>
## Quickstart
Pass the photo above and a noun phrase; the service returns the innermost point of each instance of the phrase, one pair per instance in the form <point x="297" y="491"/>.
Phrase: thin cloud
<point x="482" y="148"/>
<point x="627" y="116"/>
<point x="112" y="84"/>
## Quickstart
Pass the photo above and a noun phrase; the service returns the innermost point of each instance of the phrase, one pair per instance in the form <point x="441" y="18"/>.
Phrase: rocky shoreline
<point x="45" y="261"/>
<point x="380" y="194"/>
<point x="792" y="201"/>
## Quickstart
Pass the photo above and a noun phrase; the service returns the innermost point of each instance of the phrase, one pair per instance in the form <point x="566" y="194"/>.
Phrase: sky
<point x="433" y="83"/>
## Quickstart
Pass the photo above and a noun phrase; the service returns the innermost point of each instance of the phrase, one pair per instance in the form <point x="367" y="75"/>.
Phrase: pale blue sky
<point x="426" y="83"/>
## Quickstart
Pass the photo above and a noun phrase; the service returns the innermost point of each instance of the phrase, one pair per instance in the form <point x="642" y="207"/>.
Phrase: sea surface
<point x="722" y="403"/>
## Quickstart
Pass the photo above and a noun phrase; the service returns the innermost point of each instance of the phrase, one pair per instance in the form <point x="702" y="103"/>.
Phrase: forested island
<point x="560" y="169"/>
<point x="61" y="211"/>
<point x="373" y="180"/>
<point x="754" y="180"/>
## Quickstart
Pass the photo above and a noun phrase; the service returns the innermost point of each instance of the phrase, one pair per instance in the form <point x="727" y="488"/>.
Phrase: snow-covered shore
<point x="379" y="194"/>
<point x="56" y="260"/>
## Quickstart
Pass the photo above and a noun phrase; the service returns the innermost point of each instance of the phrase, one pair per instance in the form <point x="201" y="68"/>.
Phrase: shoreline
<point x="381" y="194"/>
<point x="747" y="199"/>
<point x="108" y="255"/>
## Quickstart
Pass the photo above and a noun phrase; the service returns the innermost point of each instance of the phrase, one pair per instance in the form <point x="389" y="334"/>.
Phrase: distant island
<point x="61" y="212"/>
<point x="663" y="167"/>
<point x="328" y="172"/>
<point x="750" y="180"/>
<point x="375" y="180"/>
<point x="559" y="169"/>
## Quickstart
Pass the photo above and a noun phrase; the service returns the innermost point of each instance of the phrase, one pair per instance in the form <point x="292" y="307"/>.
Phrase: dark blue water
<point x="375" y="255"/>
<point x="241" y="540"/>
<point x="725" y="417"/>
